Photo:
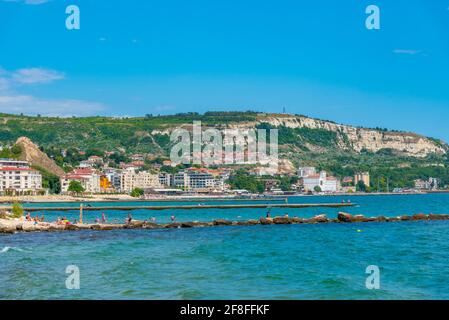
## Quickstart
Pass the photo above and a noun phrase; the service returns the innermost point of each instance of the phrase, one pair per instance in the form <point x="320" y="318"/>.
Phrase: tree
<point x="75" y="186"/>
<point x="137" y="192"/>
<point x="317" y="189"/>
<point x="361" y="186"/>
<point x="17" y="210"/>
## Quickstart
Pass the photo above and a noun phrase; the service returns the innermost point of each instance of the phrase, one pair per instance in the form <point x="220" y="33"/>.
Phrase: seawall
<point x="15" y="225"/>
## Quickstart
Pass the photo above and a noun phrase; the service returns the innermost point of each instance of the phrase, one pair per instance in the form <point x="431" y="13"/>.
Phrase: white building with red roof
<point x="322" y="180"/>
<point x="88" y="177"/>
<point x="17" y="177"/>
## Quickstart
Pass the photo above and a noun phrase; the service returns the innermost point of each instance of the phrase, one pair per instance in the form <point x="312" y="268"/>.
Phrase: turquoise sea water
<point x="325" y="261"/>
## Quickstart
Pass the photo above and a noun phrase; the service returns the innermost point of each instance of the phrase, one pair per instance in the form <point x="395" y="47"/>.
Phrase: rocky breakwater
<point x="18" y="225"/>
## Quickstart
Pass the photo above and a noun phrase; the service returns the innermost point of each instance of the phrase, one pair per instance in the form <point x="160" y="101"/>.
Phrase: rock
<point x="437" y="216"/>
<point x="137" y="224"/>
<point x="358" y="218"/>
<point x="246" y="223"/>
<point x="381" y="219"/>
<point x="253" y="222"/>
<point x="297" y="220"/>
<point x="151" y="225"/>
<point x="32" y="153"/>
<point x="173" y="225"/>
<point x="71" y="227"/>
<point x="344" y="217"/>
<point x="200" y="224"/>
<point x="394" y="219"/>
<point x="81" y="226"/>
<point x="282" y="220"/>
<point x="7" y="227"/>
<point x="222" y="222"/>
<point x="188" y="224"/>
<point x="419" y="216"/>
<point x="405" y="218"/>
<point x="266" y="221"/>
<point x="322" y="218"/>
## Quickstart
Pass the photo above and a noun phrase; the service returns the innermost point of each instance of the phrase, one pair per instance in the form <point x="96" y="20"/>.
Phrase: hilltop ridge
<point x="151" y="133"/>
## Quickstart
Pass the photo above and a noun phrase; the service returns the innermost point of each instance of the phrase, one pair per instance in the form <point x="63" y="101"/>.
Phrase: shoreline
<point x="8" y="226"/>
<point x="128" y="198"/>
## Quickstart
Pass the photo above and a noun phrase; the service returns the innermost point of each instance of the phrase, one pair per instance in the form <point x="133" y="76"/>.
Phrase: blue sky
<point x="162" y="57"/>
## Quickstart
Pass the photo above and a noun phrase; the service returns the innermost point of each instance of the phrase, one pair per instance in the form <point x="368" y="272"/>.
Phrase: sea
<point x="318" y="261"/>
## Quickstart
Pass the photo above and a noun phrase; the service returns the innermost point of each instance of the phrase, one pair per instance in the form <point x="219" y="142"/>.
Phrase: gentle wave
<point x="6" y="249"/>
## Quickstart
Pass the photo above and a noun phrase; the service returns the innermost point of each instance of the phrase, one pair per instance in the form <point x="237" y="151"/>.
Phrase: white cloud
<point x="12" y="101"/>
<point x="36" y="75"/>
<point x="407" y="51"/>
<point x="50" y="107"/>
<point x="4" y="84"/>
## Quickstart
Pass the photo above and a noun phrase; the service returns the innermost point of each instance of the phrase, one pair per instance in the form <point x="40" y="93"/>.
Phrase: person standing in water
<point x="103" y="218"/>
<point x="173" y="218"/>
<point x="129" y="219"/>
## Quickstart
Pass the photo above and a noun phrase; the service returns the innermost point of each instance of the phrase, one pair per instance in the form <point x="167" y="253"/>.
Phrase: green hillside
<point x="323" y="148"/>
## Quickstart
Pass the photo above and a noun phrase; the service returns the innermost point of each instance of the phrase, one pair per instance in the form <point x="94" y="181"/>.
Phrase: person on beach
<point x="28" y="217"/>
<point x="268" y="214"/>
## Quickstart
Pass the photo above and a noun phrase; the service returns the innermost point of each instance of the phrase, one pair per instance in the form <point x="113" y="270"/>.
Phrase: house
<point x="95" y="160"/>
<point x="137" y="157"/>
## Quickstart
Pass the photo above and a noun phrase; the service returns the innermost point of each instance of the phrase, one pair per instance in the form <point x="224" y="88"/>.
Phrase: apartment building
<point x="17" y="177"/>
<point x="88" y="178"/>
<point x="131" y="179"/>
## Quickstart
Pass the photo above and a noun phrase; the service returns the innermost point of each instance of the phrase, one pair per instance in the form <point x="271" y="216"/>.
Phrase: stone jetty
<point x="17" y="225"/>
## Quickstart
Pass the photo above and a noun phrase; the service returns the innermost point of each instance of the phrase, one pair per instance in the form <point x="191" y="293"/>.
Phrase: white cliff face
<point x="409" y="144"/>
<point x="359" y="138"/>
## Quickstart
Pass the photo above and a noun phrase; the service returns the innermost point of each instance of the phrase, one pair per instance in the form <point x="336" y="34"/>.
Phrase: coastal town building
<point x="17" y="177"/>
<point x="430" y="184"/>
<point x="88" y="178"/>
<point x="114" y="177"/>
<point x="199" y="180"/>
<point x="322" y="180"/>
<point x="165" y="179"/>
<point x="362" y="176"/>
<point x="131" y="179"/>
<point x="306" y="171"/>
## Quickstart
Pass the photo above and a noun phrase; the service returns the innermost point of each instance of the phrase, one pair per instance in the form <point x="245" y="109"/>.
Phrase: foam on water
<point x="6" y="249"/>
